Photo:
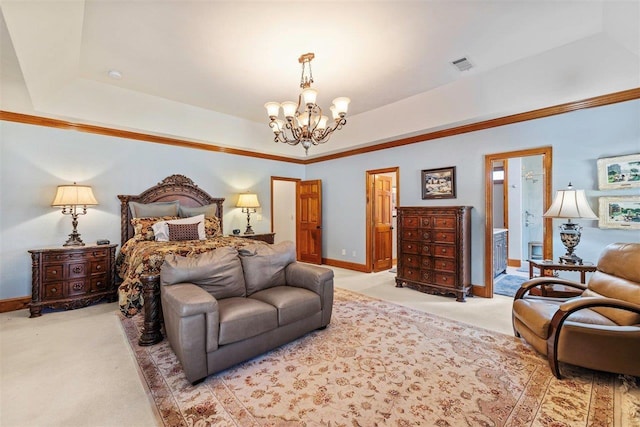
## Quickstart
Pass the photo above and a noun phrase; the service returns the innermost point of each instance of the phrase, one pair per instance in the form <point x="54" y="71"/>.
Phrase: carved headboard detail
<point x="174" y="187"/>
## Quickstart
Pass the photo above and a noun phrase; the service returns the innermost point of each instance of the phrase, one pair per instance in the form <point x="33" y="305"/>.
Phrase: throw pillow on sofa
<point x="218" y="272"/>
<point x="264" y="265"/>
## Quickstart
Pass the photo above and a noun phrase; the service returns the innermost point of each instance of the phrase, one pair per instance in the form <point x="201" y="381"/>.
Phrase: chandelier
<point x="304" y="122"/>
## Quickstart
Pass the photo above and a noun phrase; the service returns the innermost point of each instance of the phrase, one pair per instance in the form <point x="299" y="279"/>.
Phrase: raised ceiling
<point x="202" y="70"/>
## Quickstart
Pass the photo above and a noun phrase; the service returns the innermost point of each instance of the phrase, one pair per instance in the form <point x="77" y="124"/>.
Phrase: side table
<point x="72" y="277"/>
<point x="264" y="237"/>
<point x="550" y="268"/>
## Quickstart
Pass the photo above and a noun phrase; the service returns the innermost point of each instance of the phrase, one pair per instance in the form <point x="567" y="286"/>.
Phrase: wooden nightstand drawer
<point x="411" y="234"/>
<point x="444" y="264"/>
<point x="444" y="236"/>
<point x="72" y="277"/>
<point x="76" y="287"/>
<point x="410" y="221"/>
<point x="77" y="269"/>
<point x="53" y="290"/>
<point x="444" y="222"/>
<point x="53" y="272"/>
<point x="99" y="266"/>
<point x="445" y="279"/>
<point x="410" y="248"/>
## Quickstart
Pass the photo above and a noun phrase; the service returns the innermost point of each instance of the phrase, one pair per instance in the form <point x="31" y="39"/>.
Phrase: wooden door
<point x="382" y="238"/>
<point x="309" y="221"/>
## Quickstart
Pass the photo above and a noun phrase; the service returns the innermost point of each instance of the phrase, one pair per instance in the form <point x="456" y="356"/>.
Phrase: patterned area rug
<point x="382" y="364"/>
<point x="507" y="284"/>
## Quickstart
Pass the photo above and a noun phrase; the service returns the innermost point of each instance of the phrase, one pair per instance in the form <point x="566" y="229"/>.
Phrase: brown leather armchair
<point x="600" y="329"/>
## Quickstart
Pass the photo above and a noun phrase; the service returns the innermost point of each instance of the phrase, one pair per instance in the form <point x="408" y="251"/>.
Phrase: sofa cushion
<point x="242" y="318"/>
<point x="264" y="264"/>
<point x="292" y="303"/>
<point x="219" y="272"/>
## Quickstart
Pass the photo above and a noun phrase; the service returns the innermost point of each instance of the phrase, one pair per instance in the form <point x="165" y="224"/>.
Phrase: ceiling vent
<point x="462" y="64"/>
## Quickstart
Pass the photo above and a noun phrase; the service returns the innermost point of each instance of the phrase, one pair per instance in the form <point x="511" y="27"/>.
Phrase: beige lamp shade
<point x="570" y="203"/>
<point x="248" y="200"/>
<point x="74" y="195"/>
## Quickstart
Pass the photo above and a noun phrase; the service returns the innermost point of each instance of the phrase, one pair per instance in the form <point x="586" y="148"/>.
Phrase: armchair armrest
<point x="542" y="281"/>
<point x="569" y="307"/>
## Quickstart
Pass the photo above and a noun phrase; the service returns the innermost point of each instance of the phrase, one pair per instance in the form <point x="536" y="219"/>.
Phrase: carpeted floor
<point x="507" y="284"/>
<point x="382" y="364"/>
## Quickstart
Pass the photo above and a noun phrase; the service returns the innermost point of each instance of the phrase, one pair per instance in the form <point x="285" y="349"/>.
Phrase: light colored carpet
<point x="507" y="284"/>
<point x="383" y="364"/>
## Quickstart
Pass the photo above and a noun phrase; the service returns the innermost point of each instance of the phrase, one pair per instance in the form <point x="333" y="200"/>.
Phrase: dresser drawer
<point x="444" y="222"/>
<point x="410" y="222"/>
<point x="410" y="273"/>
<point x="76" y="287"/>
<point x="426" y="222"/>
<point x="426" y="250"/>
<point x="410" y="247"/>
<point x="444" y="264"/>
<point x="444" y="236"/>
<point x="411" y="261"/>
<point x="55" y="256"/>
<point x="427" y="235"/>
<point x="53" y="290"/>
<point x="99" y="284"/>
<point x="98" y="266"/>
<point x="444" y="251"/>
<point x="77" y="269"/>
<point x="53" y="272"/>
<point x="444" y="279"/>
<point x="426" y="276"/>
<point x="410" y="234"/>
<point x="426" y="263"/>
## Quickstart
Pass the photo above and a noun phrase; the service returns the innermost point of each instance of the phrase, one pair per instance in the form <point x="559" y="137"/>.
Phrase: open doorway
<point x="382" y="198"/>
<point x="518" y="170"/>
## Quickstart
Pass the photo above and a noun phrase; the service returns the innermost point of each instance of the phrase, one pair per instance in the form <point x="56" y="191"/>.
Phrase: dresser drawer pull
<point x="444" y="250"/>
<point x="78" y="286"/>
<point x="77" y="270"/>
<point x="410" y="246"/>
<point x="444" y="264"/>
<point x="444" y="279"/>
<point x="54" y="271"/>
<point x="98" y="267"/>
<point x="54" y="290"/>
<point x="409" y="259"/>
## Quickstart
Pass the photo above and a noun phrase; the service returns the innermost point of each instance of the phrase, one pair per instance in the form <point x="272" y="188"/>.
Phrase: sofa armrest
<point x="191" y="321"/>
<point x="316" y="279"/>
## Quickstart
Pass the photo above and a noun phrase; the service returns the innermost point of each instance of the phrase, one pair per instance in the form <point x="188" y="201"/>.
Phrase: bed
<point x="140" y="256"/>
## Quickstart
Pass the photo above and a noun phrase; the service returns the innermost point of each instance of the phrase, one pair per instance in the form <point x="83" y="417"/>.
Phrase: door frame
<point x="547" y="242"/>
<point x="369" y="175"/>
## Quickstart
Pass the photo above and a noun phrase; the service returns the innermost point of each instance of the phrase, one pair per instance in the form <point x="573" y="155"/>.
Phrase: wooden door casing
<point x="309" y="221"/>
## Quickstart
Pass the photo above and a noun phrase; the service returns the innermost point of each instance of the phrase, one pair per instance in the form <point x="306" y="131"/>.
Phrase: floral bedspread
<point x="146" y="257"/>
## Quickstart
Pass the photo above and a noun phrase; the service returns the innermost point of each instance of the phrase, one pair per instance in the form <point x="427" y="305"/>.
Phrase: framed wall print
<point x="619" y="212"/>
<point x="439" y="183"/>
<point x="619" y="172"/>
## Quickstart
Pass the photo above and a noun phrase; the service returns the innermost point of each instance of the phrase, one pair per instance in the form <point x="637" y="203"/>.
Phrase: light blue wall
<point x="34" y="160"/>
<point x="577" y="138"/>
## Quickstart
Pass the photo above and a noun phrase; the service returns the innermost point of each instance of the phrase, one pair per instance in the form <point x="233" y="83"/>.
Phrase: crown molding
<point x="597" y="101"/>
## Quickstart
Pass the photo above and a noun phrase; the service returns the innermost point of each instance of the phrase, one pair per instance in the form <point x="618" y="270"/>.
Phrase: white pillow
<point x="161" y="229"/>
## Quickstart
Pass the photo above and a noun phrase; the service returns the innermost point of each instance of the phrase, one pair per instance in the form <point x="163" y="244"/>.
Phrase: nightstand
<point x="264" y="237"/>
<point x="72" y="277"/>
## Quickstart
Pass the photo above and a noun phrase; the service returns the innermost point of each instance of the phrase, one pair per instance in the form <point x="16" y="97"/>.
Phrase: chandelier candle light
<point x="570" y="204"/>
<point x="69" y="198"/>
<point x="304" y="122"/>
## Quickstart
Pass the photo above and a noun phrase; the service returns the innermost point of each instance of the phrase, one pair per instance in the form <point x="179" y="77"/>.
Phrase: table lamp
<point x="570" y="204"/>
<point x="70" y="197"/>
<point x="247" y="202"/>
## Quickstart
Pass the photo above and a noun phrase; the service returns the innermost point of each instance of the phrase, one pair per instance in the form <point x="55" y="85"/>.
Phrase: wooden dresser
<point x="434" y="249"/>
<point x="72" y="277"/>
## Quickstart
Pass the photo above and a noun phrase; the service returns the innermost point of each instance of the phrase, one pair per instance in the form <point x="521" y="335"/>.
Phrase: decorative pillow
<point x="218" y="272"/>
<point x="143" y="227"/>
<point x="149" y="210"/>
<point x="209" y="211"/>
<point x="178" y="232"/>
<point x="161" y="229"/>
<point x="264" y="264"/>
<point x="212" y="227"/>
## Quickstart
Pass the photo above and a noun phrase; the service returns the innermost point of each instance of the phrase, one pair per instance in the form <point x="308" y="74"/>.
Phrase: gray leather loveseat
<point x="224" y="307"/>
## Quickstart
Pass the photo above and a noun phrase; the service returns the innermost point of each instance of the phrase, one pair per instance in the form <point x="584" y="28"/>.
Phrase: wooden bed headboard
<point x="174" y="187"/>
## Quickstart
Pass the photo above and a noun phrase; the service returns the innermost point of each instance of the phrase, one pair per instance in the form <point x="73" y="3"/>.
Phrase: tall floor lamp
<point x="570" y="204"/>
<point x="249" y="203"/>
<point x="70" y="198"/>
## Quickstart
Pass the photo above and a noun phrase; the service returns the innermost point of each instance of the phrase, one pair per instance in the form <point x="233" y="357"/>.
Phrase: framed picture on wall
<point x="619" y="172"/>
<point x="619" y="212"/>
<point x="439" y="183"/>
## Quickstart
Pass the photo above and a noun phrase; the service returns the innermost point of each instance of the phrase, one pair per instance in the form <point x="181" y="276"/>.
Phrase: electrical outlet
<point x="344" y="252"/>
